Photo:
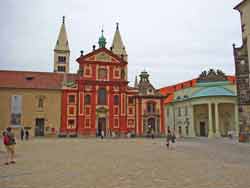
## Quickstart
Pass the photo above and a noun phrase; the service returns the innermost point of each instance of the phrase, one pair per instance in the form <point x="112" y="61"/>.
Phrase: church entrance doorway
<point x="39" y="130"/>
<point x="203" y="129"/>
<point x="101" y="126"/>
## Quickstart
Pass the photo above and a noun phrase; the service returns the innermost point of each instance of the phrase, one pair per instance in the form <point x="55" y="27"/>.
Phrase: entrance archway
<point x="101" y="126"/>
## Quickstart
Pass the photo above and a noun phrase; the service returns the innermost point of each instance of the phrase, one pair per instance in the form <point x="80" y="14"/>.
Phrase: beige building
<point x="31" y="100"/>
<point x="205" y="107"/>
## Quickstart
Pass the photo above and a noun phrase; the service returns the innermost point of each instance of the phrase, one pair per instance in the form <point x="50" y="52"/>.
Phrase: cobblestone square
<point x="130" y="163"/>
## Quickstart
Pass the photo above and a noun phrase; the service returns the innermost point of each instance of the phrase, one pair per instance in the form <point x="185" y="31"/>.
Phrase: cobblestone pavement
<point x="130" y="163"/>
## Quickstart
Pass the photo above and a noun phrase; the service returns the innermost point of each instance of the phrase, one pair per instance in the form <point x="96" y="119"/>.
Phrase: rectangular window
<point x="72" y="99"/>
<point x="130" y="100"/>
<point x="179" y="111"/>
<point x="61" y="59"/>
<point x="102" y="74"/>
<point x="61" y="68"/>
<point x="16" y="110"/>
<point x="186" y="110"/>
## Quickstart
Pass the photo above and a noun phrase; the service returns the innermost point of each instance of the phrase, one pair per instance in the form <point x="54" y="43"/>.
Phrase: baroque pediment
<point x="102" y="56"/>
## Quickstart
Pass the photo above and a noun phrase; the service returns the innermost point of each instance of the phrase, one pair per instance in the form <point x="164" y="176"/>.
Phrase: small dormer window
<point x="29" y="78"/>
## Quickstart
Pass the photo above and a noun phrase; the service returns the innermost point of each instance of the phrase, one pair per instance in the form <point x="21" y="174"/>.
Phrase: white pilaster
<point x="192" y="130"/>
<point x="217" y="126"/>
<point x="210" y="121"/>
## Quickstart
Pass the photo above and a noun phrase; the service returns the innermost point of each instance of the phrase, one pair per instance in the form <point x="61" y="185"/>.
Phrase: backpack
<point x="6" y="140"/>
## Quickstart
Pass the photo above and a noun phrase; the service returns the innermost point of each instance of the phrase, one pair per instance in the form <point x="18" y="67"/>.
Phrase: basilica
<point x="95" y="99"/>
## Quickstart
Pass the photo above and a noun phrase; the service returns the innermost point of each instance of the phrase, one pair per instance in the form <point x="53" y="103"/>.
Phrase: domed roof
<point x="213" y="91"/>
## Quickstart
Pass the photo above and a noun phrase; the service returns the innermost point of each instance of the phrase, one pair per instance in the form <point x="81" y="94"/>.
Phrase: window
<point x="116" y="100"/>
<point x="179" y="111"/>
<point x="117" y="73"/>
<point x="87" y="71"/>
<point x="186" y="110"/>
<point x="16" y="110"/>
<point x="72" y="99"/>
<point x="130" y="100"/>
<point x="87" y="99"/>
<point x="61" y="69"/>
<point x="150" y="107"/>
<point x="102" y="96"/>
<point x="102" y="74"/>
<point x="123" y="74"/>
<point x="61" y="59"/>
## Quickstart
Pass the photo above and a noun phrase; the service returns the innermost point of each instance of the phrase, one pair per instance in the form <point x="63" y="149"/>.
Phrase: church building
<point x="101" y="100"/>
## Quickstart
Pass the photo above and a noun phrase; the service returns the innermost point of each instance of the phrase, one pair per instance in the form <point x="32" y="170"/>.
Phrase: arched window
<point x="123" y="74"/>
<point x="116" y="100"/>
<point x="87" y="99"/>
<point x="102" y="96"/>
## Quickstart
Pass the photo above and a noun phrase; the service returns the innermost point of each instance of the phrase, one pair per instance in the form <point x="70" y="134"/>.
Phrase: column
<point x="191" y="126"/>
<point x="217" y="126"/>
<point x="236" y="119"/>
<point x="210" y="121"/>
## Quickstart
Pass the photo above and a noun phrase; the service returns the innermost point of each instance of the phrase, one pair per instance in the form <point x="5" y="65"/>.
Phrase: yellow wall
<point x="51" y="111"/>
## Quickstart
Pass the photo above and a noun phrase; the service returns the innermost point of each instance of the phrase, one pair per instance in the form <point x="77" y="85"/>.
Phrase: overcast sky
<point x="173" y="40"/>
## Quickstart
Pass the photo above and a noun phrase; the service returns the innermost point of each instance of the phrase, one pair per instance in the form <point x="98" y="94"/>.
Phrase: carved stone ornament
<point x="212" y="76"/>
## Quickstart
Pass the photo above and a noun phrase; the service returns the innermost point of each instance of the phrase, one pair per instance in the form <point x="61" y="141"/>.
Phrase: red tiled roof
<point x="33" y="80"/>
<point x="169" y="90"/>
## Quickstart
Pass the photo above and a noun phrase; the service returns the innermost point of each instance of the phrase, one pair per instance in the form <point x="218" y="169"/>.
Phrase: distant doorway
<point x="101" y="126"/>
<point x="39" y="130"/>
<point x="203" y="129"/>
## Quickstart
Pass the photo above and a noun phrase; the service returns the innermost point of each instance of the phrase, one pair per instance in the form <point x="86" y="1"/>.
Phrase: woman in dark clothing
<point x="168" y="139"/>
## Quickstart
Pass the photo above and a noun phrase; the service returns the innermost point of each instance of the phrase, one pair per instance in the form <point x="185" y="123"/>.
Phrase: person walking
<point x="22" y="133"/>
<point x="152" y="134"/>
<point x="102" y="134"/>
<point x="27" y="134"/>
<point x="9" y="142"/>
<point x="173" y="140"/>
<point x="168" y="139"/>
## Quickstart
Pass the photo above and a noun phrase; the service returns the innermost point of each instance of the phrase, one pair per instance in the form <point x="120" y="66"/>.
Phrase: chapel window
<point x="102" y="73"/>
<point x="87" y="99"/>
<point x="72" y="99"/>
<point x="102" y="96"/>
<point x="150" y="107"/>
<point x="130" y="100"/>
<point x="116" y="100"/>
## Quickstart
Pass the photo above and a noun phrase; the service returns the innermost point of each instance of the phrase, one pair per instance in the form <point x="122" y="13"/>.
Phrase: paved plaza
<point x="130" y="163"/>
